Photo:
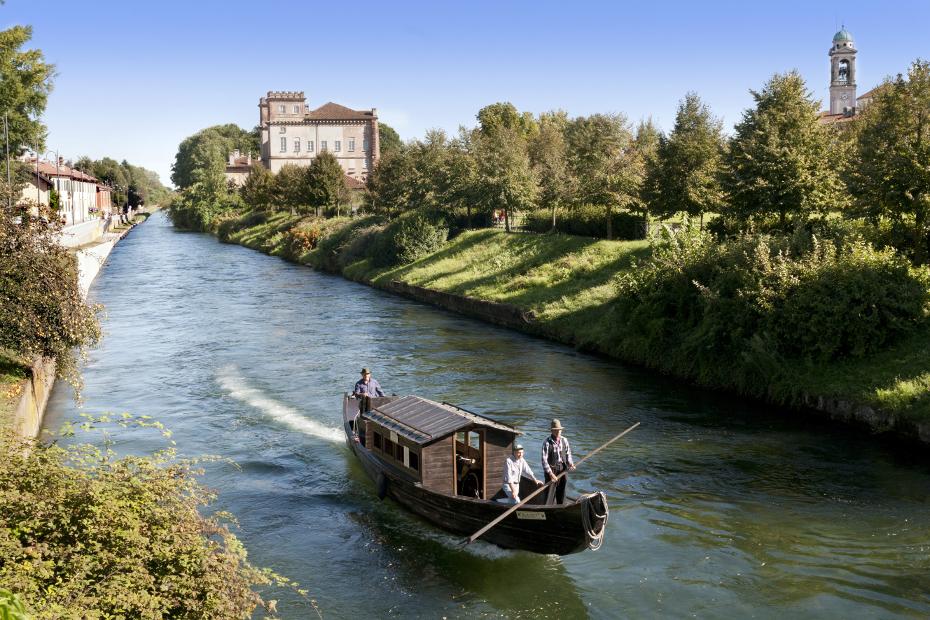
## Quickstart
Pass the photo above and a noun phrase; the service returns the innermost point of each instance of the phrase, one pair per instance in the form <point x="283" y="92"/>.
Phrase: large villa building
<point x="292" y="133"/>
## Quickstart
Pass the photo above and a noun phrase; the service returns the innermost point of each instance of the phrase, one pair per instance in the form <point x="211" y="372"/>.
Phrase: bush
<point x="745" y="310"/>
<point x="407" y="239"/>
<point x="299" y="240"/>
<point x="587" y="221"/>
<point x="86" y="534"/>
<point x="42" y="310"/>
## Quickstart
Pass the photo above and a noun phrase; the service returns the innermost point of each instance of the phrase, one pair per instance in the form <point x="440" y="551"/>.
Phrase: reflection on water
<point x="720" y="508"/>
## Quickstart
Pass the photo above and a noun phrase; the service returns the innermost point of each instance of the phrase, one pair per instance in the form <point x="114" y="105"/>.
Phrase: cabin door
<point x="470" y="464"/>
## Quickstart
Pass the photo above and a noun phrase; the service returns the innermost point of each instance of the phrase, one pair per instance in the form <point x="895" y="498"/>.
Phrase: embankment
<point x="563" y="288"/>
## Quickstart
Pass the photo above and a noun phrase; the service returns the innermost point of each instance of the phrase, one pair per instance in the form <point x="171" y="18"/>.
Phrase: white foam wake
<point x="236" y="385"/>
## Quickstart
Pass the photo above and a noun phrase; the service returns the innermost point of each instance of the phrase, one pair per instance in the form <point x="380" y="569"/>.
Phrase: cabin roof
<point x="423" y="421"/>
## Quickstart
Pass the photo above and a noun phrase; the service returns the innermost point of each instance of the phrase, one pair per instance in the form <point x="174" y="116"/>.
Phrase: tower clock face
<point x="844" y="96"/>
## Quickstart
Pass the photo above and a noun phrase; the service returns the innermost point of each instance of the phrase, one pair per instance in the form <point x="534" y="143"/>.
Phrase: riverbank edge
<point x="34" y="391"/>
<point x="836" y="408"/>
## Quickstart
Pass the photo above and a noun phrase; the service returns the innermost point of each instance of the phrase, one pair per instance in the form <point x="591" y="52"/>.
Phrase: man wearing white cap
<point x="515" y="468"/>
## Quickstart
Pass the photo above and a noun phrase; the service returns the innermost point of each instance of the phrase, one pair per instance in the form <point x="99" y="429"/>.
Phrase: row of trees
<point x="781" y="168"/>
<point x="132" y="185"/>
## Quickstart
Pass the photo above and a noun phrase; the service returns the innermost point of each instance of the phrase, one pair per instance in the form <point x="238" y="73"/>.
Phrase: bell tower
<point x="843" y="73"/>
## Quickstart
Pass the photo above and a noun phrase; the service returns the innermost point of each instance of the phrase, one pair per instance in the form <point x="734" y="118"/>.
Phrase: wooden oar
<point x="506" y="514"/>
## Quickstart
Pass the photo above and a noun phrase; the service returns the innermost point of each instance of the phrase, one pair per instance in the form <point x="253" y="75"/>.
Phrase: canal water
<point x="719" y="507"/>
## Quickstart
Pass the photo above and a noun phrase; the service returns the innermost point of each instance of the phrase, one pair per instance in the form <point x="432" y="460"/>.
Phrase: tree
<point x="257" y="190"/>
<point x="600" y="158"/>
<point x="504" y="180"/>
<point x="461" y="171"/>
<point x="215" y="142"/>
<point x="686" y="177"/>
<point x="389" y="183"/>
<point x="388" y="140"/>
<point x="646" y="146"/>
<point x="327" y="182"/>
<point x="25" y="83"/>
<point x="292" y="189"/>
<point x="549" y="158"/>
<point x="891" y="171"/>
<point x="503" y="115"/>
<point x="779" y="163"/>
<point x="429" y="178"/>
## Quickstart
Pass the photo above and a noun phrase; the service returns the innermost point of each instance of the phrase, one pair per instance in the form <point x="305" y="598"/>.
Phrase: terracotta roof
<point x="335" y="112"/>
<point x="50" y="169"/>
<point x="869" y="94"/>
<point x="353" y="183"/>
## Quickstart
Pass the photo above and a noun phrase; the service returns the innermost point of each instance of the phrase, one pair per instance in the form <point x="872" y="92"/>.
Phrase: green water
<point x="719" y="508"/>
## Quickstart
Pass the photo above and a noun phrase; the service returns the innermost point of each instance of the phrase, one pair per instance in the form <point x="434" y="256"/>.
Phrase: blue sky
<point x="135" y="78"/>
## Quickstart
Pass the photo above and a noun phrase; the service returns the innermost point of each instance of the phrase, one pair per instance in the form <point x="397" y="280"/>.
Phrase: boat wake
<point x="236" y="386"/>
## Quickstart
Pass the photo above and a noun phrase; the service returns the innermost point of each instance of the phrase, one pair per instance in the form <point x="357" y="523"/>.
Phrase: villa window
<point x="282" y="129"/>
<point x="283" y="145"/>
<point x="296" y="145"/>
<point x="296" y="109"/>
<point x="309" y="146"/>
<point x="281" y="108"/>
<point x="351" y="145"/>
<point x="337" y="146"/>
<point x="322" y="145"/>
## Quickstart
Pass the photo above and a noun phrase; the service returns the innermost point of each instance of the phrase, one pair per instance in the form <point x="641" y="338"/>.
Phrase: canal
<point x="719" y="507"/>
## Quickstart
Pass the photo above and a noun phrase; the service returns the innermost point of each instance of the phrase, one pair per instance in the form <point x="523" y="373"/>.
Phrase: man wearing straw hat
<point x="556" y="458"/>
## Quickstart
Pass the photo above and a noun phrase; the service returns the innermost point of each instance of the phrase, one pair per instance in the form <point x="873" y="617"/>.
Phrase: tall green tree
<point x="291" y="189"/>
<point x="504" y="180"/>
<point x="687" y="171"/>
<point x="327" y="182"/>
<point x="461" y="172"/>
<point x="602" y="160"/>
<point x="891" y="171"/>
<point x="258" y="189"/>
<point x="549" y="158"/>
<point x="25" y="83"/>
<point x="646" y="143"/>
<point x="388" y="139"/>
<point x="390" y="182"/>
<point x="779" y="163"/>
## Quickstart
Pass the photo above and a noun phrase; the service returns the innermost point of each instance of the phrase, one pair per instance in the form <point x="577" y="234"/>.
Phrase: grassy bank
<point x="570" y="285"/>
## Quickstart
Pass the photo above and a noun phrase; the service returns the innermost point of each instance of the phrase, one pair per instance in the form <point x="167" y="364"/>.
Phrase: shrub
<point x="299" y="240"/>
<point x="743" y="311"/>
<point x="407" y="239"/>
<point x="42" y="310"/>
<point x="84" y="533"/>
<point x="587" y="221"/>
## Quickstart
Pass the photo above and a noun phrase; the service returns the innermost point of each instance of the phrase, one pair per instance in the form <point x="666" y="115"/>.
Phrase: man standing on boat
<point x="515" y="468"/>
<point x="556" y="458"/>
<point x="366" y="386"/>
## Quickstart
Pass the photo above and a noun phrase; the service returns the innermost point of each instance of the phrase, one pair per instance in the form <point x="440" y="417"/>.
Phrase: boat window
<point x="460" y="437"/>
<point x="378" y="440"/>
<point x="414" y="461"/>
<point x="388" y="447"/>
<point x="474" y="440"/>
<point x="399" y="452"/>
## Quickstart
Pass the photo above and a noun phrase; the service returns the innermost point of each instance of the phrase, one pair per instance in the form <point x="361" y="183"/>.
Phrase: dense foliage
<point x="83" y="531"/>
<point x="587" y="221"/>
<point x="210" y="147"/>
<point x="42" y="311"/>
<point x="131" y="184"/>
<point x="891" y="172"/>
<point x="779" y="170"/>
<point x="745" y="310"/>
<point x="25" y="83"/>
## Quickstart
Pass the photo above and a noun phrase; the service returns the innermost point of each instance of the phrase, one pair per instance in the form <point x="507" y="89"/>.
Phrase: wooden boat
<point x="446" y="464"/>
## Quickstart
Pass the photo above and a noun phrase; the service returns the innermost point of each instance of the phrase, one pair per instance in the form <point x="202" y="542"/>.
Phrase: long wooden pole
<point x="507" y="513"/>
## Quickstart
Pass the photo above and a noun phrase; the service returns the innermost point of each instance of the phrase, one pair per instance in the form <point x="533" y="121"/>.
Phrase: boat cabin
<point x="442" y="447"/>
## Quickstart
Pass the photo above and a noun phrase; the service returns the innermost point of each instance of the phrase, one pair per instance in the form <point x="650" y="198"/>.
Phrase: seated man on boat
<point x="366" y="386"/>
<point x="515" y="468"/>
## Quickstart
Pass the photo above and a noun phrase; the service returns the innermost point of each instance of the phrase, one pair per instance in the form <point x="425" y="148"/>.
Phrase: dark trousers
<point x="556" y="492"/>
